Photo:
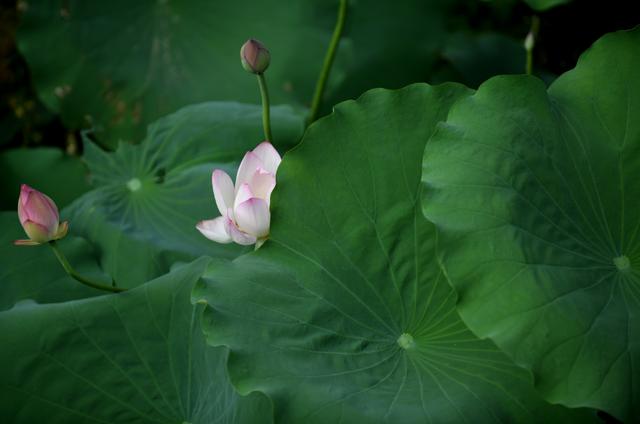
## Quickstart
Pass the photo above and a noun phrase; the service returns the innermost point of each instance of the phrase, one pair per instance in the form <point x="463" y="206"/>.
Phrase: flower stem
<point x="74" y="274"/>
<point x="328" y="62"/>
<point x="266" y="119"/>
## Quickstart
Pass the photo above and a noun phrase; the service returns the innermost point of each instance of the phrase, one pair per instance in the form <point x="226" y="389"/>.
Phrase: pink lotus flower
<point x="39" y="217"/>
<point x="244" y="207"/>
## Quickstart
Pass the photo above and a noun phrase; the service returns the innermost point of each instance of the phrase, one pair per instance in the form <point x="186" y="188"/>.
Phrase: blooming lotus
<point x="244" y="207"/>
<point x="39" y="217"/>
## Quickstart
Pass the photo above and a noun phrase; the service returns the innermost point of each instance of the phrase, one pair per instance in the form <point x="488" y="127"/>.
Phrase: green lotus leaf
<point x="137" y="356"/>
<point x="158" y="190"/>
<point x="344" y="315"/>
<point x="536" y="196"/>
<point x="32" y="273"/>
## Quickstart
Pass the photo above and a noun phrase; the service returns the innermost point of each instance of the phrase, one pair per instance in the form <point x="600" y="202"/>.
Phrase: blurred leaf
<point x="33" y="272"/>
<point x="477" y="57"/>
<point x="9" y="126"/>
<point x="137" y="356"/>
<point x="157" y="191"/>
<point x="537" y="199"/>
<point x="124" y="64"/>
<point x="49" y="170"/>
<point x="388" y="44"/>
<point x="318" y="317"/>
<point x="541" y="5"/>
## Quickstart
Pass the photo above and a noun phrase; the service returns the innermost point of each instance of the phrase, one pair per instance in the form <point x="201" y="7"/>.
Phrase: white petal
<point x="249" y="165"/>
<point x="244" y="193"/>
<point x="268" y="155"/>
<point x="222" y="190"/>
<point x="262" y="184"/>
<point x="229" y="214"/>
<point x="237" y="235"/>
<point x="215" y="229"/>
<point x="253" y="217"/>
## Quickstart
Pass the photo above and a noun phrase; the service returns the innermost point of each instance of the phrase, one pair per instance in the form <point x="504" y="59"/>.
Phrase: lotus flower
<point x="244" y="207"/>
<point x="39" y="217"/>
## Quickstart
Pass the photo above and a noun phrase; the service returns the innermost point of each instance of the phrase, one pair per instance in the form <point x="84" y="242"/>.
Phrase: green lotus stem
<point x="266" y="118"/>
<point x="328" y="62"/>
<point x="74" y="274"/>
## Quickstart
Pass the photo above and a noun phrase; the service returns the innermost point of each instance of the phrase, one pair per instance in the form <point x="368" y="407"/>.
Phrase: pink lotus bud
<point x="39" y="217"/>
<point x="254" y="56"/>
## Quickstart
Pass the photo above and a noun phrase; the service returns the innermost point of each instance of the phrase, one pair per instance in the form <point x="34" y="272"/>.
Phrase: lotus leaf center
<point x="134" y="184"/>
<point x="406" y="341"/>
<point x="622" y="263"/>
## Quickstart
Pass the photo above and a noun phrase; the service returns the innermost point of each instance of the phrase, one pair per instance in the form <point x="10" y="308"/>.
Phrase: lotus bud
<point x="529" y="42"/>
<point x="254" y="56"/>
<point x="39" y="217"/>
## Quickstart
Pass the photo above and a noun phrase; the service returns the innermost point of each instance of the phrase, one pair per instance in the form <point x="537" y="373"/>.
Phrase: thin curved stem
<point x="328" y="62"/>
<point x="266" y="114"/>
<point x="74" y="274"/>
<point x="529" y="68"/>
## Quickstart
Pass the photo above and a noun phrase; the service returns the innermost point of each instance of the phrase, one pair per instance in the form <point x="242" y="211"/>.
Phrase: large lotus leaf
<point x="134" y="357"/>
<point x="536" y="194"/>
<point x="344" y="315"/>
<point x="33" y="272"/>
<point x="49" y="170"/>
<point x="122" y="64"/>
<point x="158" y="190"/>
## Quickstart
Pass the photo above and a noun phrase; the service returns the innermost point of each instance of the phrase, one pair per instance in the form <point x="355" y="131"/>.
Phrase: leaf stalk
<point x="76" y="276"/>
<point x="328" y="62"/>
